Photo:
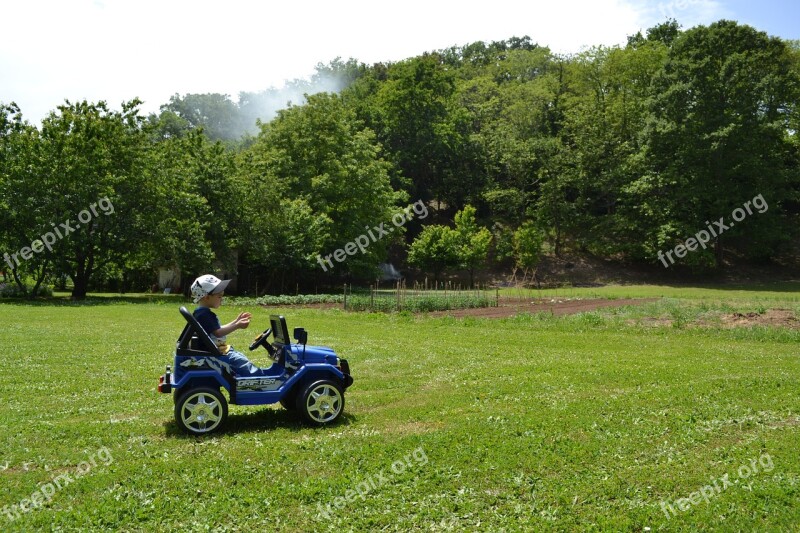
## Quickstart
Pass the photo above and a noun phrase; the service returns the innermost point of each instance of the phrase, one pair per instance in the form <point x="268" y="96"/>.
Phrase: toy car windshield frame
<point x="279" y="329"/>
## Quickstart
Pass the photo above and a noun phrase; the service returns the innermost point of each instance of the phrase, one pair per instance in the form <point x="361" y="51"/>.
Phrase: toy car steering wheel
<point x="261" y="339"/>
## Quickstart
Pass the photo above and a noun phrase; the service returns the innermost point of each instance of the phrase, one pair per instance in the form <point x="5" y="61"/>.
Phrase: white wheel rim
<point x="201" y="412"/>
<point x="324" y="403"/>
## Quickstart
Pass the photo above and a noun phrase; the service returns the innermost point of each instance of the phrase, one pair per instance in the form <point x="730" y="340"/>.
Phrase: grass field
<point x="585" y="422"/>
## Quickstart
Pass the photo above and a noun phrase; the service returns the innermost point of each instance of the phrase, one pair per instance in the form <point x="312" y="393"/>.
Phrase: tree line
<point x="620" y="152"/>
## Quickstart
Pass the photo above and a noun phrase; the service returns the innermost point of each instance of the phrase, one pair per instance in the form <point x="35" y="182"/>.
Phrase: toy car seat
<point x="194" y="340"/>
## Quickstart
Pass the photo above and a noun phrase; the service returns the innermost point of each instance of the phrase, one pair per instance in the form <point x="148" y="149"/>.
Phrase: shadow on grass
<point x="263" y="420"/>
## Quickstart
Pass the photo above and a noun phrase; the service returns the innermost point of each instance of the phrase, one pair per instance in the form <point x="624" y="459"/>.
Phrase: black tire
<point x="289" y="402"/>
<point x="201" y="411"/>
<point x="321" y="402"/>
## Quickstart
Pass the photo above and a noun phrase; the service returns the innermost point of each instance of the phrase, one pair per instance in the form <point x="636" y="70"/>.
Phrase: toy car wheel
<point x="289" y="403"/>
<point x="201" y="411"/>
<point x="321" y="402"/>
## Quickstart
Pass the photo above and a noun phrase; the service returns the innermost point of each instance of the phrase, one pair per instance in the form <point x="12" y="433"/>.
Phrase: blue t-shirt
<point x="209" y="322"/>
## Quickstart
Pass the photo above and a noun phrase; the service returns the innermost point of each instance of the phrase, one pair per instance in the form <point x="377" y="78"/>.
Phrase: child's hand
<point x="243" y="320"/>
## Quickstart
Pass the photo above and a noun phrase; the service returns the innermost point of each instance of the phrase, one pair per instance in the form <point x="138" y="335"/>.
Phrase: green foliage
<point x="718" y="137"/>
<point x="619" y="152"/>
<point x="472" y="242"/>
<point x="21" y="190"/>
<point x="434" y="250"/>
<point x="215" y="113"/>
<point x="417" y="304"/>
<point x="528" y="240"/>
<point x="84" y="153"/>
<point x="321" y="156"/>
<point x="503" y="238"/>
<point x="425" y="131"/>
<point x="11" y="290"/>
<point x="285" y="299"/>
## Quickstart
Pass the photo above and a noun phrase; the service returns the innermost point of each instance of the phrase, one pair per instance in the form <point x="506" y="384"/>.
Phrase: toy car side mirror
<point x="301" y="335"/>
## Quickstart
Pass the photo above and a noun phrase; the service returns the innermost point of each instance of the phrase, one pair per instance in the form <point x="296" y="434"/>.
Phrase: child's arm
<point x="241" y="322"/>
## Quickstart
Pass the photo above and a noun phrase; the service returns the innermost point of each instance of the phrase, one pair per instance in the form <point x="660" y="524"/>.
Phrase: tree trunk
<point x="557" y="240"/>
<point x="718" y="253"/>
<point x="42" y="275"/>
<point x="79" y="286"/>
<point x="21" y="285"/>
<point x="83" y="273"/>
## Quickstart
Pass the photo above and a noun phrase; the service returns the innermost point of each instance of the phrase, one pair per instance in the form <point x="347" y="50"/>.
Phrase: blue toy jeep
<point x="309" y="379"/>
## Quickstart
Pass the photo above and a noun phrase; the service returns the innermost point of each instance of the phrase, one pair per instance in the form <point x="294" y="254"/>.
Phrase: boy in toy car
<point x="207" y="292"/>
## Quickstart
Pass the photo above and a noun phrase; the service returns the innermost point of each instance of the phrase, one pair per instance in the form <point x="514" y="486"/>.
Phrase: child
<point x="207" y="291"/>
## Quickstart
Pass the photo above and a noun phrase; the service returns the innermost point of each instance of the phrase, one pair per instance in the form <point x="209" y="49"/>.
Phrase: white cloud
<point x="115" y="50"/>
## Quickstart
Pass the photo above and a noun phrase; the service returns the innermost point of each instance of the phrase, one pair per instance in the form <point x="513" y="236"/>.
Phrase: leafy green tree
<point x="185" y="231"/>
<point x="434" y="250"/>
<point x="285" y="237"/>
<point x="472" y="241"/>
<point x="516" y="107"/>
<point x="167" y="125"/>
<point x="719" y="136"/>
<point x="24" y="203"/>
<point x="91" y="175"/>
<point x="215" y="113"/>
<point x="321" y="154"/>
<point x="528" y="240"/>
<point x="503" y="238"/>
<point x="414" y="123"/>
<point x="666" y="33"/>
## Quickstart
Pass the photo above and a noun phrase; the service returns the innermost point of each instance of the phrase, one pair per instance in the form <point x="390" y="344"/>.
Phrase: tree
<point x="413" y="124"/>
<point x="282" y="235"/>
<point x="434" y="250"/>
<point x="216" y="113"/>
<point x="472" y="242"/>
<point x="190" y="215"/>
<point x="24" y="202"/>
<point x="528" y="240"/>
<point x="91" y="176"/>
<point x="719" y="135"/>
<point x="322" y="154"/>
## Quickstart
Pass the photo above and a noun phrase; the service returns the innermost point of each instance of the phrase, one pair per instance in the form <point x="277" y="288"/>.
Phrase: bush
<point x="12" y="290"/>
<point x="416" y="304"/>
<point x="300" y="299"/>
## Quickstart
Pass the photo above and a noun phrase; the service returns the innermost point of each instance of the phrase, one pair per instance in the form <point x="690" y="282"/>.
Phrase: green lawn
<point x="526" y="423"/>
<point x="786" y="292"/>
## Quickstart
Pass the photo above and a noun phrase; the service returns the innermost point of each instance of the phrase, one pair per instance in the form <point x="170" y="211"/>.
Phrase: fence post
<point x="371" y="298"/>
<point x="345" y="296"/>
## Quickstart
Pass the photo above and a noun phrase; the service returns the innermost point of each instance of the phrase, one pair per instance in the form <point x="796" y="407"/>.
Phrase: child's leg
<point x="242" y="365"/>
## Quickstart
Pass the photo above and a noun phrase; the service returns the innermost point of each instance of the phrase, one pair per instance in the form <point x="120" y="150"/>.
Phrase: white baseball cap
<point x="207" y="284"/>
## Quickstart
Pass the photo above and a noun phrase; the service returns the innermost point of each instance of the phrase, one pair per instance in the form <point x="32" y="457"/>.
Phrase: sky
<point x="115" y="50"/>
